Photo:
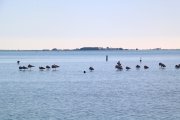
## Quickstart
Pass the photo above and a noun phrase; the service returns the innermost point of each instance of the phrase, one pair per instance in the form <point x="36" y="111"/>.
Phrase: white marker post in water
<point x="106" y="58"/>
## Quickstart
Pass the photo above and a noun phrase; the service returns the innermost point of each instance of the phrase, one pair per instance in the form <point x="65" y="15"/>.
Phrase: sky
<point x="69" y="24"/>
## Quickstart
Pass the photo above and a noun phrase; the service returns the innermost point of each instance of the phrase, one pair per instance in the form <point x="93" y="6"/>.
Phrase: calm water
<point x="105" y="94"/>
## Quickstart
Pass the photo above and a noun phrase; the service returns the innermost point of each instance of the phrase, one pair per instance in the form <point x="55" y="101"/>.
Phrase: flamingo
<point x="140" y="60"/>
<point x="177" y="66"/>
<point x="91" y="68"/>
<point x="41" y="68"/>
<point x="128" y="68"/>
<point x="20" y="68"/>
<point x="48" y="67"/>
<point x="18" y="62"/>
<point x="30" y="66"/>
<point x="138" y="66"/>
<point x="118" y="63"/>
<point x="54" y="66"/>
<point x="162" y="65"/>
<point x="146" y="67"/>
<point x="119" y="67"/>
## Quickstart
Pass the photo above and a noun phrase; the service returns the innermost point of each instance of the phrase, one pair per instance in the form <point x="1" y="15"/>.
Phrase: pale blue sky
<point x="38" y="24"/>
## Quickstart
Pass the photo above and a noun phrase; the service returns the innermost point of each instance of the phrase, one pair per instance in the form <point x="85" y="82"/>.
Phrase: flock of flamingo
<point x="118" y="66"/>
<point x="162" y="65"/>
<point x="54" y="67"/>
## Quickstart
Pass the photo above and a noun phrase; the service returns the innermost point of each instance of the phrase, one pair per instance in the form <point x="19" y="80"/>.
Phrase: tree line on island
<point x="94" y="48"/>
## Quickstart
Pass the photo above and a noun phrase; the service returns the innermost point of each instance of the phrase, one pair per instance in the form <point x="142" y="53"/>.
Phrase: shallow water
<point x="104" y="94"/>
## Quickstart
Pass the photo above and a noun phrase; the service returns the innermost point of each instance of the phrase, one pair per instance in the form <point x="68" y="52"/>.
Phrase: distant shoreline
<point x="59" y="50"/>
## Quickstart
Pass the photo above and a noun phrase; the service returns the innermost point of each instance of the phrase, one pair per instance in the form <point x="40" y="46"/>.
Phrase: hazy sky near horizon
<point x="40" y="24"/>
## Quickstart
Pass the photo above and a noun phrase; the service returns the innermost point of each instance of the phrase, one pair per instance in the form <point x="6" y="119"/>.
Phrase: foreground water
<point x="105" y="94"/>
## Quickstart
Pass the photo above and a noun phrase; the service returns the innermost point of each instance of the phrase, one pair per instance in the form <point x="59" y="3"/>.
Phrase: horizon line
<point x="80" y="49"/>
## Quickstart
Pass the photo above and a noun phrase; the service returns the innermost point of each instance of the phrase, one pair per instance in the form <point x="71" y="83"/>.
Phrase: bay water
<point x="104" y="94"/>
